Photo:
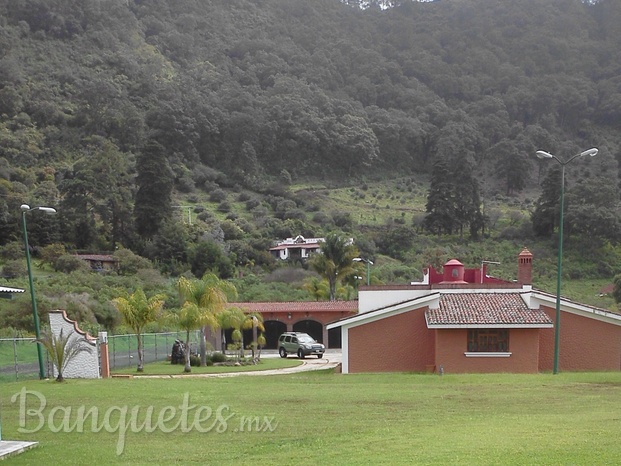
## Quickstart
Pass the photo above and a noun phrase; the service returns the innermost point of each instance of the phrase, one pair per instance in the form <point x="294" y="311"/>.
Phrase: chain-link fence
<point x="19" y="359"/>
<point x="123" y="349"/>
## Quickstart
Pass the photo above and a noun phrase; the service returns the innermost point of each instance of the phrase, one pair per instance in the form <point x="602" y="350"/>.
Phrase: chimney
<point x="525" y="267"/>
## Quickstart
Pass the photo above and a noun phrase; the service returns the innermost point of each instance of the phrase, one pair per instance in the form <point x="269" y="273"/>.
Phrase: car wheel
<point x="282" y="352"/>
<point x="300" y="354"/>
<point x="319" y="356"/>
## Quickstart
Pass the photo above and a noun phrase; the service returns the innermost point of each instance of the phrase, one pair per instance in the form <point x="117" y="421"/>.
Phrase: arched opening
<point x="312" y="327"/>
<point x="247" y="336"/>
<point x="273" y="329"/>
<point x="334" y="338"/>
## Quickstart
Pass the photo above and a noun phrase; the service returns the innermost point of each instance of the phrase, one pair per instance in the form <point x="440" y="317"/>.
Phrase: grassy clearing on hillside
<point x="321" y="417"/>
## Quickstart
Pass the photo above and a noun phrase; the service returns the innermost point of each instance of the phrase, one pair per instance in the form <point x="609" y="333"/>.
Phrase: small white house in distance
<point x="296" y="248"/>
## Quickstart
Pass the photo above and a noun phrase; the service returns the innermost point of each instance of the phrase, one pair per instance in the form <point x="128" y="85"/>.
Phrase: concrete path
<point x="12" y="447"/>
<point x="331" y="359"/>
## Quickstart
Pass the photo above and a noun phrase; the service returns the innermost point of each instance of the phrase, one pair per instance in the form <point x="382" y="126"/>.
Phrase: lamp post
<point x="369" y="264"/>
<point x="49" y="210"/>
<point x="557" y="325"/>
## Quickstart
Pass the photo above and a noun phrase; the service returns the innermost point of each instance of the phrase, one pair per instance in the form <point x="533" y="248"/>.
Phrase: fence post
<point x="103" y="355"/>
<point x="15" y="359"/>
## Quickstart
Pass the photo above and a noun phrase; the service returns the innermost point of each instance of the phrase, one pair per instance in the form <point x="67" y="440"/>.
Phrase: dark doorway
<point x="334" y="337"/>
<point x="273" y="329"/>
<point x="312" y="327"/>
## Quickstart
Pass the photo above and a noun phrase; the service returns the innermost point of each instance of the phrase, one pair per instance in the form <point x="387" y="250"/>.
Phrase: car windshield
<point x="306" y="339"/>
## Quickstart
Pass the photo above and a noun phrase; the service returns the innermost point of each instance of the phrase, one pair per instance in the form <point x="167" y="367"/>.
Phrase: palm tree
<point x="233" y="318"/>
<point x="210" y="294"/>
<point x="138" y="311"/>
<point x="317" y="288"/>
<point x="62" y="349"/>
<point x="254" y="320"/>
<point x="191" y="317"/>
<point x="335" y="260"/>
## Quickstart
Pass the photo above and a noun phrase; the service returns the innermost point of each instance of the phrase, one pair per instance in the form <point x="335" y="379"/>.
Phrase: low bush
<point x="216" y="357"/>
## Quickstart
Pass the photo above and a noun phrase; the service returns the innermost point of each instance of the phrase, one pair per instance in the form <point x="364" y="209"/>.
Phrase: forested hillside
<point x="116" y="111"/>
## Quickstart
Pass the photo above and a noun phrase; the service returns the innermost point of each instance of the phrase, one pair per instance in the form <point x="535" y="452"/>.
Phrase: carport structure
<point x="310" y="317"/>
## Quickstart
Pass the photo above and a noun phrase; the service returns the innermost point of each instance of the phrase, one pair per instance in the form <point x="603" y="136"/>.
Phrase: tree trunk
<point x="188" y="367"/>
<point x="203" y="347"/>
<point x="140" y="353"/>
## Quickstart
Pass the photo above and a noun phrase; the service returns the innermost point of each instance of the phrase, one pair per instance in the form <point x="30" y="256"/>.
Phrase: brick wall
<point x="586" y="344"/>
<point x="451" y="344"/>
<point x="398" y="343"/>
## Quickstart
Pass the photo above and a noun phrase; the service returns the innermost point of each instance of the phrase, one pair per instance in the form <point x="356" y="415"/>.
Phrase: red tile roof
<point x="472" y="309"/>
<point x="299" y="306"/>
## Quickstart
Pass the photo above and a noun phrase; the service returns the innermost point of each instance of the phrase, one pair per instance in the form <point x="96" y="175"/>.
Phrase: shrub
<point x="224" y="207"/>
<point x="130" y="263"/>
<point x="12" y="251"/>
<point x="204" y="216"/>
<point x="217" y="357"/>
<point x="244" y="196"/>
<point x="252" y="203"/>
<point x="15" y="269"/>
<point x="217" y="195"/>
<point x="69" y="263"/>
<point x="51" y="252"/>
<point x="195" y="361"/>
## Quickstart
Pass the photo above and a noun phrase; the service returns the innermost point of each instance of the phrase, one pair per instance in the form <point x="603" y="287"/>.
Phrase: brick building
<point x="462" y="320"/>
<point x="310" y="317"/>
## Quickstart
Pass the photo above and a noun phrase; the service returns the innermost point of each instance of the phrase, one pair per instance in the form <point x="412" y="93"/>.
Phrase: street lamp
<point x="557" y="325"/>
<point x="369" y="264"/>
<point x="48" y="210"/>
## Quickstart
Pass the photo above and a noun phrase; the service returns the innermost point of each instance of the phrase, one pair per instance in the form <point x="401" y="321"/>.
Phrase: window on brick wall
<point x="489" y="340"/>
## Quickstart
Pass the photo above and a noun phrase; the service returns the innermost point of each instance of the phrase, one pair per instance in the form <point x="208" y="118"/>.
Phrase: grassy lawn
<point x="166" y="368"/>
<point x="321" y="417"/>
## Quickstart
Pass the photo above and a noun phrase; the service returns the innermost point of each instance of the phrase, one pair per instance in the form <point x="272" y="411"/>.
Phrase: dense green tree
<point x="97" y="195"/>
<point x="467" y="199"/>
<point x="440" y="200"/>
<point x="207" y="256"/>
<point x="512" y="165"/>
<point x="169" y="248"/>
<point x="545" y="216"/>
<point x="154" y="181"/>
<point x="592" y="210"/>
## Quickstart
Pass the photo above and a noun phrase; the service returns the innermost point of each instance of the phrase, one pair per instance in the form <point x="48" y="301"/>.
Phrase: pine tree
<point x="440" y="200"/>
<point x="546" y="214"/>
<point x="155" y="184"/>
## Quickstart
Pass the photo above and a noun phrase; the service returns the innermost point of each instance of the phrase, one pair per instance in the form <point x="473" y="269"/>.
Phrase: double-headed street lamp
<point x="369" y="264"/>
<point x="557" y="325"/>
<point x="48" y="210"/>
